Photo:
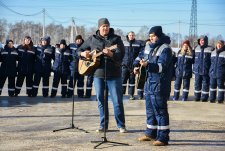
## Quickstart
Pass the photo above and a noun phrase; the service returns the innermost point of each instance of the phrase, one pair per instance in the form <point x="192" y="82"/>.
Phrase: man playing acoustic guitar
<point x="101" y="41"/>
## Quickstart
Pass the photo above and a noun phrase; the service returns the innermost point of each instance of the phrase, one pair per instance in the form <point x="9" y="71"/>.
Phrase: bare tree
<point x="3" y="29"/>
<point x="143" y="33"/>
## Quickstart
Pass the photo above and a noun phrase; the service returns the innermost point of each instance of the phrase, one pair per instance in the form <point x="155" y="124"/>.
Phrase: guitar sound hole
<point x="88" y="63"/>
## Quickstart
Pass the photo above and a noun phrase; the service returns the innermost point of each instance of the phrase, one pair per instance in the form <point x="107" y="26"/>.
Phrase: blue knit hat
<point x="157" y="30"/>
<point x="8" y="41"/>
<point x="46" y="38"/>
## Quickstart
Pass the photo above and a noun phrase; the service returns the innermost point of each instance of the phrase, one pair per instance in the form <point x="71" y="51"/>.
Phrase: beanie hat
<point x="102" y="21"/>
<point x="205" y="39"/>
<point x="187" y="42"/>
<point x="78" y="37"/>
<point x="63" y="41"/>
<point x="46" y="38"/>
<point x="157" y="30"/>
<point x="8" y="41"/>
<point x="27" y="37"/>
<point x="221" y="42"/>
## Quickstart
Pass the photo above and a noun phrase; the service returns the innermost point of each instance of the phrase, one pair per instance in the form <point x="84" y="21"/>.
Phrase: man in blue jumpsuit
<point x="132" y="49"/>
<point x="217" y="73"/>
<point x="42" y="67"/>
<point x="61" y="69"/>
<point x="201" y="69"/>
<point x="158" y="86"/>
<point x="8" y="58"/>
<point x="25" y="68"/>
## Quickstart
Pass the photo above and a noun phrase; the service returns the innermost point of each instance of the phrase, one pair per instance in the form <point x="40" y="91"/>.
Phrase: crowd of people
<point x="35" y="63"/>
<point x="117" y="68"/>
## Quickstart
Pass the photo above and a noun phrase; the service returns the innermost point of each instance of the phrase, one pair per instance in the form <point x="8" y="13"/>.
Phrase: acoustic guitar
<point x="142" y="70"/>
<point x="141" y="78"/>
<point x="86" y="66"/>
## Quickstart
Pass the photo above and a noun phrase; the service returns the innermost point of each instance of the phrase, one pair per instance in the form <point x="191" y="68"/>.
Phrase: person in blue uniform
<point x="217" y="73"/>
<point x="132" y="49"/>
<point x="201" y="69"/>
<point x="45" y="54"/>
<point x="75" y="77"/>
<point x="8" y="59"/>
<point x="26" y="56"/>
<point x="183" y="71"/>
<point x="158" y="60"/>
<point x="61" y="68"/>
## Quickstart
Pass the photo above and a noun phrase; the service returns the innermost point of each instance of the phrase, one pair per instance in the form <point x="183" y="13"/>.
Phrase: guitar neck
<point x="100" y="53"/>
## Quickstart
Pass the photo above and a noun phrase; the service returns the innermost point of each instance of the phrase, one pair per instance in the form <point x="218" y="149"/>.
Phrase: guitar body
<point x="87" y="66"/>
<point x="141" y="78"/>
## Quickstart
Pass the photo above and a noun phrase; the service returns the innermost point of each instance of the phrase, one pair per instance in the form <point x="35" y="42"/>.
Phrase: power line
<point x="6" y="7"/>
<point x="40" y="12"/>
<point x="94" y="23"/>
<point x="54" y="20"/>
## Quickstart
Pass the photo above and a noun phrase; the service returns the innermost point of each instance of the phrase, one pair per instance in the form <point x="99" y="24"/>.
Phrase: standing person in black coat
<point x="26" y="56"/>
<point x="8" y="57"/>
<point x="103" y="39"/>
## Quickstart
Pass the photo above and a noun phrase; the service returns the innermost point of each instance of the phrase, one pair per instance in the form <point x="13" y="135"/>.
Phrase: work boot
<point x="132" y="97"/>
<point x="220" y="102"/>
<point x="140" y="98"/>
<point x="146" y="138"/>
<point x="212" y="101"/>
<point x="197" y="99"/>
<point x="159" y="143"/>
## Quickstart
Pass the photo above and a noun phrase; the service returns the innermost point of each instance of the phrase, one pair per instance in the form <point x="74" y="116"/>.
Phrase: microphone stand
<point x="104" y="139"/>
<point x="72" y="124"/>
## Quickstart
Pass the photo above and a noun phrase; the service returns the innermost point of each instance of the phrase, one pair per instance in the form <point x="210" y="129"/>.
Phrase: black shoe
<point x="140" y="98"/>
<point x="45" y="96"/>
<point x="220" y="102"/>
<point x="197" y="100"/>
<point x="63" y="96"/>
<point x="52" y="96"/>
<point x="69" y="96"/>
<point x="204" y="100"/>
<point x="87" y="96"/>
<point x="132" y="97"/>
<point x="30" y="95"/>
<point x="16" y="95"/>
<point x="212" y="101"/>
<point x="80" y="96"/>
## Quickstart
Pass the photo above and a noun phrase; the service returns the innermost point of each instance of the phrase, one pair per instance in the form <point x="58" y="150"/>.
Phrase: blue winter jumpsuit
<point x="132" y="49"/>
<point x="42" y="68"/>
<point x="61" y="69"/>
<point x="25" y="69"/>
<point x="157" y="89"/>
<point x="201" y="70"/>
<point x="183" y="72"/>
<point x="8" y="58"/>
<point x="75" y="76"/>
<point x="217" y="74"/>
